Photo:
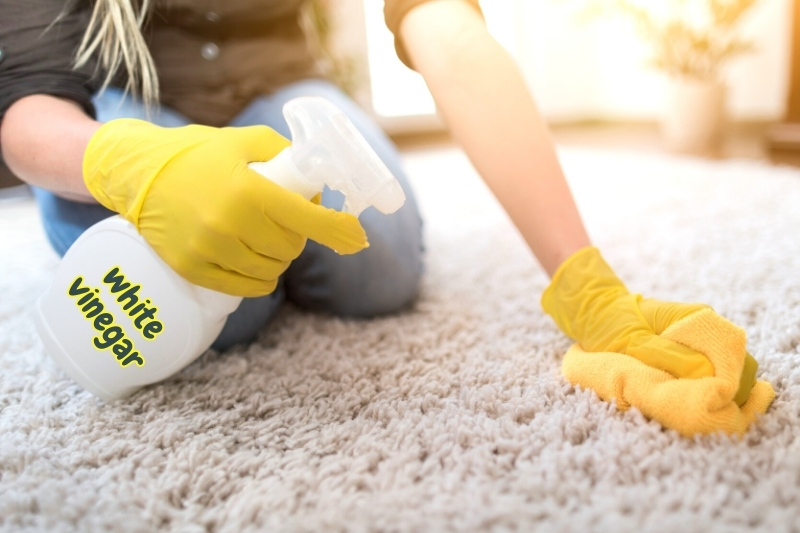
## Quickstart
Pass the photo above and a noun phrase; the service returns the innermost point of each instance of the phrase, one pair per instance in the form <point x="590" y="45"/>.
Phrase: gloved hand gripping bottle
<point x="117" y="317"/>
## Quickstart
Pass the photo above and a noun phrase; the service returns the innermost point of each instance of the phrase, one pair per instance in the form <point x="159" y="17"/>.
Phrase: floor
<point x="742" y="140"/>
<point x="451" y="417"/>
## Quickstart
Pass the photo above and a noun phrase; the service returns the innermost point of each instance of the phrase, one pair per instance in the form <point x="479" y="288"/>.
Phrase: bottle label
<point x="110" y="334"/>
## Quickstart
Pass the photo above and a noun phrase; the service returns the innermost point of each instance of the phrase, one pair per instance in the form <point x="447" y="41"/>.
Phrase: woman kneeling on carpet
<point x="64" y="134"/>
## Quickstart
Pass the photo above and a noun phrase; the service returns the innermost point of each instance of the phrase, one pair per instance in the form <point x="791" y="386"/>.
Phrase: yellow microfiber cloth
<point x="681" y="364"/>
<point x="688" y="405"/>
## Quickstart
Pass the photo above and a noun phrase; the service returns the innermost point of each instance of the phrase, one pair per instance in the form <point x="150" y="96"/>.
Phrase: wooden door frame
<point x="793" y="99"/>
<point x="783" y="139"/>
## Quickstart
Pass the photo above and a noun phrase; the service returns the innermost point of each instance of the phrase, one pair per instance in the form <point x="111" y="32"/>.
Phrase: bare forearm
<point x="489" y="111"/>
<point x="43" y="139"/>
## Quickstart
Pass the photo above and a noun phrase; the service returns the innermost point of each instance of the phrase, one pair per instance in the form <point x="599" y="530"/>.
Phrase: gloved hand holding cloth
<point x="213" y="220"/>
<point x="680" y="364"/>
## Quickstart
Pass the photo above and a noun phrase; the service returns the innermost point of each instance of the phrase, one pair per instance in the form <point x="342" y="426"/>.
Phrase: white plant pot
<point x="694" y="115"/>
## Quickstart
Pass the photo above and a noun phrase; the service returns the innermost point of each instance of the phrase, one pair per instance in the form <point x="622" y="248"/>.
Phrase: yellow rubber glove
<point x="215" y="221"/>
<point x="690" y="406"/>
<point x="591" y="305"/>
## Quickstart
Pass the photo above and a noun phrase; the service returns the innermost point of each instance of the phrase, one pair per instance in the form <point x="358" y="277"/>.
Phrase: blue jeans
<point x="380" y="280"/>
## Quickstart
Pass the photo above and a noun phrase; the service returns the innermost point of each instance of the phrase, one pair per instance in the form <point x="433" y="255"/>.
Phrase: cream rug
<point x="451" y="417"/>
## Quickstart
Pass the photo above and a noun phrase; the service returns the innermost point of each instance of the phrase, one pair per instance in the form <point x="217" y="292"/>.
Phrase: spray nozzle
<point x="328" y="150"/>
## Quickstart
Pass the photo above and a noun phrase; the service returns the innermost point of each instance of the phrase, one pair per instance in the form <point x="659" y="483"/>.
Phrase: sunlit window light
<point x="396" y="89"/>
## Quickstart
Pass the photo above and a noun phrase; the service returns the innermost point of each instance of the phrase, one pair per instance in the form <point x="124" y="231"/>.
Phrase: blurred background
<point x="712" y="78"/>
<point x="705" y="77"/>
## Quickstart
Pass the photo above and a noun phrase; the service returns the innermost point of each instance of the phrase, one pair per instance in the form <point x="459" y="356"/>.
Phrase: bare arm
<point x="43" y="139"/>
<point x="490" y="112"/>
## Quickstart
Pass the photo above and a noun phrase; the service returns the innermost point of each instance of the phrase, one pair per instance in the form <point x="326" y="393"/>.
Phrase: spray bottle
<point x="117" y="318"/>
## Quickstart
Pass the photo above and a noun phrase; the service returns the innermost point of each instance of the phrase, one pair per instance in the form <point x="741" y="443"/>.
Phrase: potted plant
<point x="691" y="41"/>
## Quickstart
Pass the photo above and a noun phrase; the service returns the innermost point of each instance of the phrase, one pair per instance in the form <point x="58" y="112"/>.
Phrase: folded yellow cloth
<point x="689" y="406"/>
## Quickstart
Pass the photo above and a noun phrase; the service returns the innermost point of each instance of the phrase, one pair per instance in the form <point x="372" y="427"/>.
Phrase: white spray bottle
<point x="117" y="318"/>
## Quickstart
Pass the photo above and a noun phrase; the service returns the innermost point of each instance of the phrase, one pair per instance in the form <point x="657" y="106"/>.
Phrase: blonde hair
<point x="115" y="29"/>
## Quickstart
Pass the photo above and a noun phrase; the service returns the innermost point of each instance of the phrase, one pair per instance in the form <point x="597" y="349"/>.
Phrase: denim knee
<point x="378" y="280"/>
<point x="352" y="286"/>
<point x="248" y="319"/>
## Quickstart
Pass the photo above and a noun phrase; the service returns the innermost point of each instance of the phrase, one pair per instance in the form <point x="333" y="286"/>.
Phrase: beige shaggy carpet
<point x="450" y="417"/>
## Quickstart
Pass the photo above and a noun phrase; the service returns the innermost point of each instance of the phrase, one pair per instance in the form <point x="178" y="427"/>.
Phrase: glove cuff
<point x="111" y="152"/>
<point x="574" y="283"/>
